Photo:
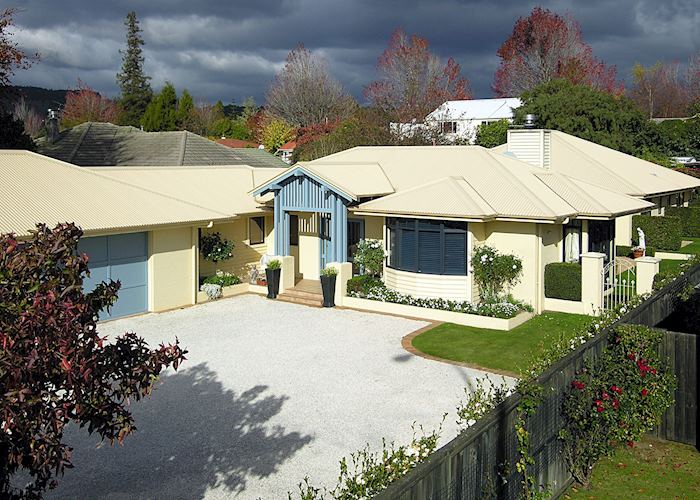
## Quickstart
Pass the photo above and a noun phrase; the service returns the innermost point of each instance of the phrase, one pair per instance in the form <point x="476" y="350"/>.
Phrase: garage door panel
<point x="131" y="301"/>
<point x="97" y="275"/>
<point x="128" y="246"/>
<point x="130" y="273"/>
<point x="95" y="248"/>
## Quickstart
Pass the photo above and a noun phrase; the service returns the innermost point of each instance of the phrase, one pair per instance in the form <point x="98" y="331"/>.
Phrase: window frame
<point x="262" y="230"/>
<point x="395" y="227"/>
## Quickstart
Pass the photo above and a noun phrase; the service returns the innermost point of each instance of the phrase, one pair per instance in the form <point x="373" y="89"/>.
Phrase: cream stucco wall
<point x="623" y="230"/>
<point x="309" y="255"/>
<point x="171" y="268"/>
<point x="244" y="254"/>
<point x="374" y="227"/>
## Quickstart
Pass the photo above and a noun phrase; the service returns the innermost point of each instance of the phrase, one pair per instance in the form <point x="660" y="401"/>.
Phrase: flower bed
<point x="378" y="291"/>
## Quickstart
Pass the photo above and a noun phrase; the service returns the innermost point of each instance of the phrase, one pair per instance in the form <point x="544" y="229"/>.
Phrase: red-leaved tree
<point x="86" y="105"/>
<point x="11" y="56"/>
<point x="54" y="366"/>
<point x="545" y="46"/>
<point x="413" y="81"/>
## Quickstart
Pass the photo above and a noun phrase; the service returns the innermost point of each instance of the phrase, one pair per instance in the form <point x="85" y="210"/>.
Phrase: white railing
<point x="619" y="283"/>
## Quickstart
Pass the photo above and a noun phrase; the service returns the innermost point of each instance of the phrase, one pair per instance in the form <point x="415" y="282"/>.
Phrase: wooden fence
<point x="471" y="466"/>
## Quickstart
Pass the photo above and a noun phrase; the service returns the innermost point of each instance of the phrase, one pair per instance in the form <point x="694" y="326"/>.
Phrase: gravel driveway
<point x="271" y="392"/>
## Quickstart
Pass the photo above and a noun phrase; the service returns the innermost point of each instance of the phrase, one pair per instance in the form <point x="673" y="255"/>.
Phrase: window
<point x="294" y="230"/>
<point x="428" y="246"/>
<point x="572" y="241"/>
<point x="256" y="230"/>
<point x="449" y="127"/>
<point x="601" y="234"/>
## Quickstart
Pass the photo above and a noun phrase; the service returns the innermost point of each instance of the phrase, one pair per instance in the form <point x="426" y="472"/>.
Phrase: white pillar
<point x="341" y="280"/>
<point x="592" y="282"/>
<point x="647" y="268"/>
<point x="287" y="273"/>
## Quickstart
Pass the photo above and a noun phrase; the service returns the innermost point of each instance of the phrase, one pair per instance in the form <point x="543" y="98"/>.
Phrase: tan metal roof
<point x="363" y="180"/>
<point x="602" y="166"/>
<point x="221" y="188"/>
<point x="36" y="188"/>
<point x="470" y="182"/>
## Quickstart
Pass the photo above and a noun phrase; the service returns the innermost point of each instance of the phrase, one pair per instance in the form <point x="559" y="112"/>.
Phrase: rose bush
<point x="494" y="273"/>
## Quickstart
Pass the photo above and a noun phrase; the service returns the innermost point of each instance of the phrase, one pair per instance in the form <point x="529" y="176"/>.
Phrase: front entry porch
<point x="306" y="292"/>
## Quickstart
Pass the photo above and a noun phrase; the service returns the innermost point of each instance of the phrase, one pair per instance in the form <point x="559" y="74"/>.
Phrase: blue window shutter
<point x="407" y="250"/>
<point x="456" y="253"/>
<point x="429" y="255"/>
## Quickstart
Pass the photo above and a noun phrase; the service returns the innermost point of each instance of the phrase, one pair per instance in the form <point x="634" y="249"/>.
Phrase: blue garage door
<point x="122" y="257"/>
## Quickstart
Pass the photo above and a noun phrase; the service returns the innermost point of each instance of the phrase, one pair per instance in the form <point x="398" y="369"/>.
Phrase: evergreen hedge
<point x="662" y="233"/>
<point x="690" y="219"/>
<point x="562" y="280"/>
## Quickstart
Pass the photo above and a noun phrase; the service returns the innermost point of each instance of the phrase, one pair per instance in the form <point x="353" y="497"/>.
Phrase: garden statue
<point x="642" y="239"/>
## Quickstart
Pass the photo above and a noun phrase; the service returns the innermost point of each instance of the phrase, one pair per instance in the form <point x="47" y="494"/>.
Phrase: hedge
<point x="625" y="251"/>
<point x="662" y="233"/>
<point x="362" y="284"/>
<point x="690" y="219"/>
<point x="562" y="280"/>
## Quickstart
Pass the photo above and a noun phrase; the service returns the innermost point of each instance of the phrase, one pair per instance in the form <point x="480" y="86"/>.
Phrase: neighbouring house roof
<point x="104" y="144"/>
<point x="222" y="188"/>
<point x="288" y="146"/>
<point x="476" y="109"/>
<point x="237" y="143"/>
<point x="36" y="188"/>
<point x="602" y="166"/>
<point x="457" y="181"/>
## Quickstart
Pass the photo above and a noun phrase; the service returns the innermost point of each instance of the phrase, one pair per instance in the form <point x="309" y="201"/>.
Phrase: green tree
<point x="185" y="110"/>
<point x="135" y="88"/>
<point x="162" y="113"/>
<point x="275" y="133"/>
<point x="590" y="114"/>
<point x="12" y="134"/>
<point x="492" y="134"/>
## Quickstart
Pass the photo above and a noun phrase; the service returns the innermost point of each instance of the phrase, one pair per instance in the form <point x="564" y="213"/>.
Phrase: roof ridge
<point x="79" y="142"/>
<point x="183" y="148"/>
<point x="569" y="183"/>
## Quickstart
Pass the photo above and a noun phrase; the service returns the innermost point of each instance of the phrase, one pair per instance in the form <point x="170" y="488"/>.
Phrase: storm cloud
<point x="231" y="49"/>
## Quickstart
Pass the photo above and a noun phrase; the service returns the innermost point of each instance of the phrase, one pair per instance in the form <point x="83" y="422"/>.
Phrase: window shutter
<point x="455" y="253"/>
<point x="407" y="250"/>
<point x="429" y="258"/>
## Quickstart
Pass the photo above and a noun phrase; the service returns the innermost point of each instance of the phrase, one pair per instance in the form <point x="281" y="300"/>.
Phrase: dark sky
<point x="229" y="49"/>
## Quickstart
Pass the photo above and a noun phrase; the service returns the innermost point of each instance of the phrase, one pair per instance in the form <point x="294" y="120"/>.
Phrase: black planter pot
<point x="273" y="282"/>
<point x="328" y="287"/>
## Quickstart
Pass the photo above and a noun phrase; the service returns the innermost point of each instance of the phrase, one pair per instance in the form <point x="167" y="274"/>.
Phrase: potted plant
<point x="328" y="277"/>
<point x="637" y="252"/>
<point x="272" y="272"/>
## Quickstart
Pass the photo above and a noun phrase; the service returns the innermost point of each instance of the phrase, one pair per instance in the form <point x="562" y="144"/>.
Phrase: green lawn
<point x="495" y="349"/>
<point x="669" y="265"/>
<point x="694" y="247"/>
<point x="652" y="469"/>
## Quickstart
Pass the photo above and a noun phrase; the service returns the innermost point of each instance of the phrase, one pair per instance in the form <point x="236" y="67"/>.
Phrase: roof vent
<point x="530" y="121"/>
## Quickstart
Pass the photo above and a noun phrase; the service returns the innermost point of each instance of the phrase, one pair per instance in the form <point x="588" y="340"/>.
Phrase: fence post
<point x="287" y="273"/>
<point x="647" y="268"/>
<point x="341" y="280"/>
<point x="592" y="282"/>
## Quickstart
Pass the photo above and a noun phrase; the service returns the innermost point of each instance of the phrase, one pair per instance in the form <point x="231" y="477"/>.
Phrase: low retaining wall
<point x="227" y="291"/>
<point x="436" y="314"/>
<point x="673" y="256"/>
<point x="565" y="306"/>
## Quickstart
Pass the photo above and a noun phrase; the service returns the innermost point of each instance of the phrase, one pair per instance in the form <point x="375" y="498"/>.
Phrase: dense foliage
<point x="370" y="256"/>
<point x="616" y="399"/>
<point x="54" y="366"/>
<point x="215" y="248"/>
<point x="86" y="105"/>
<point x="134" y="84"/>
<point x="494" y="273"/>
<point x="562" y="280"/>
<point x="492" y="134"/>
<point x="362" y="284"/>
<point x="13" y="134"/>
<point x="662" y="233"/>
<point x="222" y="278"/>
<point x="689" y="217"/>
<point x="161" y="113"/>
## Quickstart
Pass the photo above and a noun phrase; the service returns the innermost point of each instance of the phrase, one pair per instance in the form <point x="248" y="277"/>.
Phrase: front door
<point x="601" y="234"/>
<point x="356" y="232"/>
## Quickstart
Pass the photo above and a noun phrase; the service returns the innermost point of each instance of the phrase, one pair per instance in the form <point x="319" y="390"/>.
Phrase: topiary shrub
<point x="363" y="284"/>
<point x="662" y="233"/>
<point x="562" y="280"/>
<point x="690" y="220"/>
<point x="623" y="251"/>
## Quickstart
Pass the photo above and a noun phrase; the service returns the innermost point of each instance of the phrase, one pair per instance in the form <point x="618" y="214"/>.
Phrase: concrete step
<point x="296" y="299"/>
<point x="302" y="294"/>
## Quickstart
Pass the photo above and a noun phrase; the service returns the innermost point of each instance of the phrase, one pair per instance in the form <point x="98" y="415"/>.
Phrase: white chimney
<point x="531" y="145"/>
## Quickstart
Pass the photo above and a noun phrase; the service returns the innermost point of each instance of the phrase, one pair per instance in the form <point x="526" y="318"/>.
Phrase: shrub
<point x="362" y="284"/>
<point x="55" y="367"/>
<point x="370" y="255"/>
<point x="494" y="272"/>
<point x="212" y="290"/>
<point x="690" y="220"/>
<point x="329" y="272"/>
<point x="662" y="233"/>
<point x="215" y="248"/>
<point x="222" y="278"/>
<point x="274" y="264"/>
<point x="616" y="399"/>
<point x="562" y="280"/>
<point x="623" y="251"/>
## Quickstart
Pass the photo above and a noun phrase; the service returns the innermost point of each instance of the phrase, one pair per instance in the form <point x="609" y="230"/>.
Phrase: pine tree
<point x="135" y="88"/>
<point x="185" y="111"/>
<point x="161" y="113"/>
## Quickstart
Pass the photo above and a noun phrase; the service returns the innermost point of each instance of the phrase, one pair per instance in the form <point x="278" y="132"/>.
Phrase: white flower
<point x="471" y="422"/>
<point x="514" y="266"/>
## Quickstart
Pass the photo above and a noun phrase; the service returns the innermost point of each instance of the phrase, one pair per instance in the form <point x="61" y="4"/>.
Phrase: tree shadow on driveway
<point x="193" y="434"/>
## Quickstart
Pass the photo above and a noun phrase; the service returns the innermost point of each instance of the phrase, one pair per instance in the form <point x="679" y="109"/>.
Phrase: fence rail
<point x="472" y="465"/>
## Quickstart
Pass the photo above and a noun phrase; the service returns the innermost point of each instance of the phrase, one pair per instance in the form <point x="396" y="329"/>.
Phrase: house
<point x="587" y="161"/>
<point x="286" y="151"/>
<point x="104" y="144"/>
<point x="237" y="143"/>
<point x="141" y="224"/>
<point x="431" y="206"/>
<point x="459" y="120"/>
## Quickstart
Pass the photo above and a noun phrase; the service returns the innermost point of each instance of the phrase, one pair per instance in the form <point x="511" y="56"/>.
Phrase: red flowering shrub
<point x="54" y="366"/>
<point x="616" y="399"/>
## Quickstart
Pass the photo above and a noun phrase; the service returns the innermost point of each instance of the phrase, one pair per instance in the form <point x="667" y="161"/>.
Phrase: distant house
<point x="286" y="151"/>
<point x="237" y="143"/>
<point x="459" y="120"/>
<point x="94" y="144"/>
